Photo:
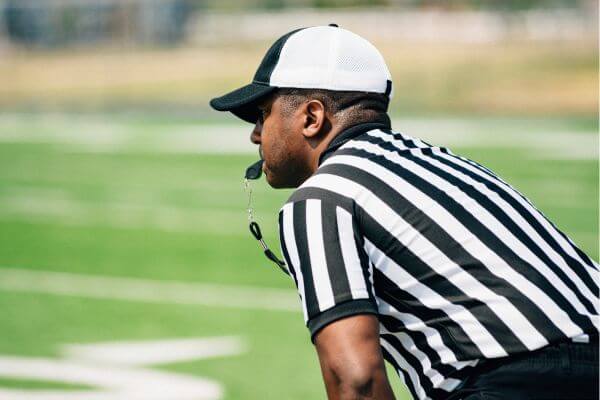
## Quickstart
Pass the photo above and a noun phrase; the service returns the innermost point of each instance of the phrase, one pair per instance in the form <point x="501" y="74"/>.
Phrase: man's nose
<point x="256" y="132"/>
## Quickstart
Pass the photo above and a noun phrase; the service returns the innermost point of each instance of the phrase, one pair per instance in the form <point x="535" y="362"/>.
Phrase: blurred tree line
<point x="500" y="5"/>
<point x="56" y="23"/>
<point x="59" y="23"/>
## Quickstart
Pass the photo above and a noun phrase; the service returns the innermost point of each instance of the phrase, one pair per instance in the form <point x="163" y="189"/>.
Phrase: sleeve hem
<point x="346" y="309"/>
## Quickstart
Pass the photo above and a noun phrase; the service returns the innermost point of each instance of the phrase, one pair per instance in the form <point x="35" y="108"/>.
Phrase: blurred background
<point x="122" y="212"/>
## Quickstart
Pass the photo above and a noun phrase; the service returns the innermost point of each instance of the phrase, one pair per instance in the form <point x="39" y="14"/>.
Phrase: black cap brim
<point x="242" y="102"/>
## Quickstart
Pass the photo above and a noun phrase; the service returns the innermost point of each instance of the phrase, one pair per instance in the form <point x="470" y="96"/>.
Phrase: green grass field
<point x="71" y="201"/>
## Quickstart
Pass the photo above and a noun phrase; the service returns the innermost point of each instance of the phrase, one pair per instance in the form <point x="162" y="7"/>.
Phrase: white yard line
<point x="58" y="206"/>
<point x="116" y="370"/>
<point x="147" y="352"/>
<point x="148" y="290"/>
<point x="96" y="134"/>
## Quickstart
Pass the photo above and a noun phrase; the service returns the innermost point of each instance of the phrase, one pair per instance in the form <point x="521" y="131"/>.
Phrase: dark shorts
<point x="564" y="371"/>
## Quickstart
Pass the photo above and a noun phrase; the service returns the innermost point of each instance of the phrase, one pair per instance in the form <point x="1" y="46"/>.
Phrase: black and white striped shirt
<point x="457" y="265"/>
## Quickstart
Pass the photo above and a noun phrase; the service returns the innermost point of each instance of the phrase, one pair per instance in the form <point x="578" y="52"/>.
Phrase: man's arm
<point x="351" y="359"/>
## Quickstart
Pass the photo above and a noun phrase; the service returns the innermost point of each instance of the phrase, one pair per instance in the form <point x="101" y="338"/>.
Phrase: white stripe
<point x="581" y="339"/>
<point x="564" y="244"/>
<point x="432" y="336"/>
<point x="449" y="384"/>
<point x="402" y="363"/>
<point x="437" y="379"/>
<point x="290" y="244"/>
<point x="520" y="221"/>
<point x="487" y="219"/>
<point x="356" y="279"/>
<point x="472" y="244"/>
<point x="316" y="250"/>
<point x="146" y="290"/>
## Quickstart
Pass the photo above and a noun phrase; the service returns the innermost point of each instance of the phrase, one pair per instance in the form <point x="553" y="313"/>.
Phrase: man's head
<point x="296" y="125"/>
<point x="312" y="84"/>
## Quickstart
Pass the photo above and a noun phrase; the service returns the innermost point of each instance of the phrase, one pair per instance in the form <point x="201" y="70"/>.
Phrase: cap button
<point x="334" y="25"/>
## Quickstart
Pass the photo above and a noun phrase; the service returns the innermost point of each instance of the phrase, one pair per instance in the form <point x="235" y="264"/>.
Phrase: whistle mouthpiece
<point x="255" y="170"/>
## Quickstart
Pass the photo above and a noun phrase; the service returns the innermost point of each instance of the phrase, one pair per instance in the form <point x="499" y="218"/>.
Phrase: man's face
<point x="278" y="132"/>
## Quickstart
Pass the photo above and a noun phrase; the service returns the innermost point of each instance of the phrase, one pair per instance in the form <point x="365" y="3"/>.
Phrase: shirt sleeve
<point x="320" y="241"/>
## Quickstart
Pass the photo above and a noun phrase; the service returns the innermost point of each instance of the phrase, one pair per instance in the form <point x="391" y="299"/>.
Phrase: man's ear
<point x="315" y="119"/>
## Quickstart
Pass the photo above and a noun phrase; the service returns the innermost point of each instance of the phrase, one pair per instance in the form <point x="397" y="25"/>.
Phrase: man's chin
<point x="277" y="182"/>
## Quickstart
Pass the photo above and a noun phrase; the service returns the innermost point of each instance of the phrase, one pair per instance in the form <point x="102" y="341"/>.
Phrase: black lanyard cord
<point x="255" y="230"/>
<point x="254" y="172"/>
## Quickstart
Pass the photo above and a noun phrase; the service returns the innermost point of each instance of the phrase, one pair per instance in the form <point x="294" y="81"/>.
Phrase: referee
<point x="404" y="251"/>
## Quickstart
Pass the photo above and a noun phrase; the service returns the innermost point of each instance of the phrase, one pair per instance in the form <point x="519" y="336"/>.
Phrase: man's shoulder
<point x="328" y="186"/>
<point x="354" y="169"/>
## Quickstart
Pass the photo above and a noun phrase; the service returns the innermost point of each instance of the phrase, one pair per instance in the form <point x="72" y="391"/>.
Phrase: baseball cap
<point x="320" y="57"/>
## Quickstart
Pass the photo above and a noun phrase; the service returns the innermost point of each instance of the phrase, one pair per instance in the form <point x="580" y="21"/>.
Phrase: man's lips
<point x="260" y="153"/>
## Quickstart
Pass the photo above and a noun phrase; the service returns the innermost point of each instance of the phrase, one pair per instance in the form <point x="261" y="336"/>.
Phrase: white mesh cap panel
<point x="303" y="59"/>
<point x="359" y="64"/>
<point x="326" y="57"/>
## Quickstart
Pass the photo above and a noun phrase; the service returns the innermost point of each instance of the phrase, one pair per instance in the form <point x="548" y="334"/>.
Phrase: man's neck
<point x="342" y="135"/>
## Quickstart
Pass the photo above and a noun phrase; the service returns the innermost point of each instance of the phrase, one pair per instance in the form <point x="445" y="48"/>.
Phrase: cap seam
<point x="333" y="53"/>
<point x="279" y="51"/>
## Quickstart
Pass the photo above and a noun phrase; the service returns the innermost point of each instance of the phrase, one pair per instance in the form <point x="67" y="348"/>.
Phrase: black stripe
<point x="419" y="269"/>
<point x="493" y="208"/>
<point x="483" y="233"/>
<point x="268" y="63"/>
<point x="342" y="310"/>
<point x="478" y="166"/>
<point x="394" y="325"/>
<point x="413" y="361"/>
<point x="284" y="250"/>
<point x="581" y="254"/>
<point x="346" y="204"/>
<point x="404" y="375"/>
<point x="533" y="222"/>
<point x="364" y="263"/>
<point x="310" y="296"/>
<point x="333" y="254"/>
<point x="513" y="227"/>
<point x="409" y="142"/>
<point x="457" y="374"/>
<point x="306" y="193"/>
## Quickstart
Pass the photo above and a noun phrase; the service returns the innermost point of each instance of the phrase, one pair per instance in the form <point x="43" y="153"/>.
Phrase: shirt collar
<point x="348" y="134"/>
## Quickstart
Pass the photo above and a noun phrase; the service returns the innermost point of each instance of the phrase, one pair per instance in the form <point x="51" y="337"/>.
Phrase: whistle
<point x="254" y="171"/>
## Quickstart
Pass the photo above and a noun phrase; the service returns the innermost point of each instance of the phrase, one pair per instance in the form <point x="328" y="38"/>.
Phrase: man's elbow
<point x="360" y="383"/>
<point x="359" y="387"/>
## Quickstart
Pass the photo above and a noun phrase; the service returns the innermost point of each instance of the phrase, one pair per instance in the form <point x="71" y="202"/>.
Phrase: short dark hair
<point x="357" y="107"/>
